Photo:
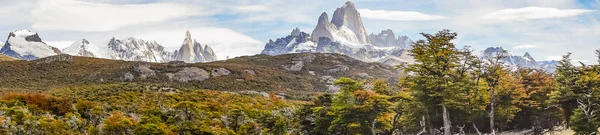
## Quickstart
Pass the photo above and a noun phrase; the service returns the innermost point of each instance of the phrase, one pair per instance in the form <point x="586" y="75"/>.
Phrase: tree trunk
<point x="446" y="120"/>
<point x="492" y="110"/>
<point x="373" y="126"/>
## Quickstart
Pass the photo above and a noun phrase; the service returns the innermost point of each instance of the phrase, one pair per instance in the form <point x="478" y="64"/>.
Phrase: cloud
<point x="94" y="17"/>
<point x="525" y="46"/>
<point x="252" y="8"/>
<point x="225" y="42"/>
<point x="397" y="15"/>
<point x="532" y="12"/>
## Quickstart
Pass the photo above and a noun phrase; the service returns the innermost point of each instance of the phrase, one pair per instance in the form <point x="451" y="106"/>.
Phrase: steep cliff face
<point x="192" y="51"/>
<point x="347" y="16"/>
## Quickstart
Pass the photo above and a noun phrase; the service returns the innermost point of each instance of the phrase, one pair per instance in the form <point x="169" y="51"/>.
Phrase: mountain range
<point x="515" y="61"/>
<point x="27" y="45"/>
<point x="344" y="34"/>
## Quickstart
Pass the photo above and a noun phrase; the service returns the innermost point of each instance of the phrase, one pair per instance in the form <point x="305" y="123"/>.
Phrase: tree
<point x="118" y="124"/>
<point x="434" y="75"/>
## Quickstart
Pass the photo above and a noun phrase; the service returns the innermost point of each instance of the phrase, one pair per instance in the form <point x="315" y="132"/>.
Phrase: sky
<point x="547" y="29"/>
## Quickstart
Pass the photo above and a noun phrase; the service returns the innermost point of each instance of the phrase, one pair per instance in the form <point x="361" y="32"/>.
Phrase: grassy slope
<point x="269" y="76"/>
<point x="6" y="58"/>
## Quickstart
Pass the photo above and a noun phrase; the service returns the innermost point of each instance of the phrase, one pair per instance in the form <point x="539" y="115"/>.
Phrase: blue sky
<point x="545" y="28"/>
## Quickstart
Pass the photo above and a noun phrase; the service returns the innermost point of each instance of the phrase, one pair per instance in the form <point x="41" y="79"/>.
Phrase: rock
<point x="311" y="72"/>
<point x="144" y="71"/>
<point x="189" y="74"/>
<point x="327" y="79"/>
<point x="364" y="75"/>
<point x="297" y="66"/>
<point x="51" y="59"/>
<point x="251" y="72"/>
<point x="249" y="92"/>
<point x="220" y="72"/>
<point x="127" y="77"/>
<point x="177" y="63"/>
<point x="295" y="32"/>
<point x="306" y="57"/>
<point x="337" y="69"/>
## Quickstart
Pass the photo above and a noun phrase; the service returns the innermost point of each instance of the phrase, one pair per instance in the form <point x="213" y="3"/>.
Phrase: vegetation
<point x="447" y="91"/>
<point x="6" y="58"/>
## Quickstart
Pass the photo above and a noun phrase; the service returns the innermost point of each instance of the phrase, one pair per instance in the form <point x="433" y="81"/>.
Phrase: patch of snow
<point x="305" y="47"/>
<point x="23" y="47"/>
<point x="292" y="42"/>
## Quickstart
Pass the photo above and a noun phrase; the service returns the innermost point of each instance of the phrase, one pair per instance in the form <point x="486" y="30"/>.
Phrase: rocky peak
<point x="528" y="57"/>
<point x="323" y="19"/>
<point x="27" y="45"/>
<point x="295" y="32"/>
<point x="349" y="17"/>
<point x="80" y="48"/>
<point x="192" y="51"/>
<point x="323" y="29"/>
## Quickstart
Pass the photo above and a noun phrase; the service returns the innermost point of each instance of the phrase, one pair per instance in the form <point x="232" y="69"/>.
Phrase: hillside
<point x="291" y="75"/>
<point x="6" y="58"/>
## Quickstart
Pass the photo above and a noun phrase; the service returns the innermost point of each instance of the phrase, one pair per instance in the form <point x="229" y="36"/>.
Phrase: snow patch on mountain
<point x="84" y="48"/>
<point x="514" y="62"/>
<point x="27" y="45"/>
<point x="345" y="34"/>
<point x="132" y="49"/>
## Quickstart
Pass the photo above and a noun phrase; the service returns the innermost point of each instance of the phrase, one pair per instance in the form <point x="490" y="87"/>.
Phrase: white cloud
<point x="397" y="15"/>
<point x="525" y="46"/>
<point x="92" y="17"/>
<point x="528" y="13"/>
<point x="225" y="42"/>
<point x="59" y="44"/>
<point x="252" y="8"/>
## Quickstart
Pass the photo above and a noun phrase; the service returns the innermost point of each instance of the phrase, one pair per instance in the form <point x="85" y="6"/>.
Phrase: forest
<point x="449" y="90"/>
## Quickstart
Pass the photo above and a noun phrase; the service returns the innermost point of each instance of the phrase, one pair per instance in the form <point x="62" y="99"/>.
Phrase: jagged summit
<point x="81" y="48"/>
<point x="191" y="51"/>
<point x="344" y="34"/>
<point x="347" y="16"/>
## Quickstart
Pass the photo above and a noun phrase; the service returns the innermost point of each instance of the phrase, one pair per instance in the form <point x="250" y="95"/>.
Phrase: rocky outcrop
<point x="191" y="51"/>
<point x="189" y="74"/>
<point x="220" y="72"/>
<point x="57" y="58"/>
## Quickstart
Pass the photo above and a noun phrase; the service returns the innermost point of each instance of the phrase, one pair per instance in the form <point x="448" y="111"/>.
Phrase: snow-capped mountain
<point x="345" y="34"/>
<point x="387" y="39"/>
<point x="192" y="51"/>
<point x="83" y="47"/>
<point x="296" y="42"/>
<point x="27" y="45"/>
<point x="132" y="49"/>
<point x="513" y="61"/>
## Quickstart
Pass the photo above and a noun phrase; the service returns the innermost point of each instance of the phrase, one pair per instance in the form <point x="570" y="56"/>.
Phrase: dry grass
<point x="6" y="58"/>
